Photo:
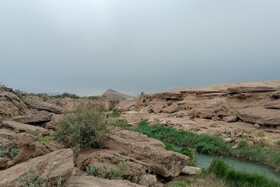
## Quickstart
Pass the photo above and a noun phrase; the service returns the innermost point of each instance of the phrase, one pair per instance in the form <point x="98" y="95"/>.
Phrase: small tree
<point x="84" y="127"/>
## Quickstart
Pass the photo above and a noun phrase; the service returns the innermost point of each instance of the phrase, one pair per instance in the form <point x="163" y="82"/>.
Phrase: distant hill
<point x="113" y="94"/>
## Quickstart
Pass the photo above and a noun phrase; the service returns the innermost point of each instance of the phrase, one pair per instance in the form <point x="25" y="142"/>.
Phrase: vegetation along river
<point x="203" y="161"/>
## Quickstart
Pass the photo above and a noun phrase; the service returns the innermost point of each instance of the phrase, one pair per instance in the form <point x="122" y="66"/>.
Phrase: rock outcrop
<point x="171" y="109"/>
<point x="148" y="150"/>
<point x="260" y="115"/>
<point x="90" y="181"/>
<point x="33" y="118"/>
<point x="21" y="127"/>
<point x="51" y="167"/>
<point x="10" y="104"/>
<point x="111" y="158"/>
<point x="38" y="105"/>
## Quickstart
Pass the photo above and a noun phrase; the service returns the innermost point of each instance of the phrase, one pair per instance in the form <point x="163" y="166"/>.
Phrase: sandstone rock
<point x="188" y="170"/>
<point x="111" y="158"/>
<point x="1" y="121"/>
<point x="10" y="104"/>
<point x="250" y="142"/>
<point x="148" y="180"/>
<point x="244" y="135"/>
<point x="21" y="127"/>
<point x="230" y="119"/>
<point x="3" y="162"/>
<point x="257" y="126"/>
<point x="29" y="147"/>
<point x="90" y="181"/>
<point x="55" y="164"/>
<point x="38" y="105"/>
<point x="260" y="115"/>
<point x="239" y="90"/>
<point x="148" y="150"/>
<point x="38" y="117"/>
<point x="50" y="126"/>
<point x="227" y="140"/>
<point x="171" y="109"/>
<point x="135" y="117"/>
<point x="273" y="105"/>
<point x="216" y="118"/>
<point x="238" y="132"/>
<point x="157" y="107"/>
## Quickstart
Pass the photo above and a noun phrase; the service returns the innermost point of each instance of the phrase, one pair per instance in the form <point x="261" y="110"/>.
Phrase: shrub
<point x="45" y="138"/>
<point x="178" y="183"/>
<point x="91" y="170"/>
<point x="122" y="171"/>
<point x="1" y="150"/>
<point x="218" y="167"/>
<point x="12" y="152"/>
<point x="83" y="126"/>
<point x="238" y="178"/>
<point x="278" y="142"/>
<point x="116" y="113"/>
<point x="260" y="133"/>
<point x="31" y="179"/>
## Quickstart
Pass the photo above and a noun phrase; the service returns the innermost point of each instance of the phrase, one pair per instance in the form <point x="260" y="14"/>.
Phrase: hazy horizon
<point x="86" y="47"/>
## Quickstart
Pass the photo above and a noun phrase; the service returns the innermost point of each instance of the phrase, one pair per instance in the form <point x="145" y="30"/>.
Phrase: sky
<point x="88" y="46"/>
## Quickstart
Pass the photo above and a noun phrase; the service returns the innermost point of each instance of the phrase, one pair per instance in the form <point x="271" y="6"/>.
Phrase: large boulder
<point x="30" y="147"/>
<point x="38" y="105"/>
<point x="20" y="147"/>
<point x="148" y="150"/>
<point x="259" y="115"/>
<point x="90" y="181"/>
<point x="21" y="127"/>
<point x="157" y="107"/>
<point x="112" y="159"/>
<point x="51" y="167"/>
<point x="33" y="118"/>
<point x="10" y="104"/>
<point x="171" y="109"/>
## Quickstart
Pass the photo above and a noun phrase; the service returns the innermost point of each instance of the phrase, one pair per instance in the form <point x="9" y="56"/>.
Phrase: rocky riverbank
<point x="243" y="112"/>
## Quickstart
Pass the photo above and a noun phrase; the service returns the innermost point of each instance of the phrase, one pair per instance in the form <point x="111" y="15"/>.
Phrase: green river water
<point x="203" y="161"/>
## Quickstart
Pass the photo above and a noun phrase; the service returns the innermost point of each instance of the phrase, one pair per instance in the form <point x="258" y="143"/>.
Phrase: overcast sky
<point x="87" y="46"/>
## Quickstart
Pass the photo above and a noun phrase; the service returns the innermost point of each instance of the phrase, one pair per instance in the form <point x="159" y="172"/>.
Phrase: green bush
<point x="239" y="178"/>
<point x="218" y="167"/>
<point x="1" y="150"/>
<point x="110" y="172"/>
<point x="91" y="170"/>
<point x="31" y="179"/>
<point x="116" y="113"/>
<point x="83" y="126"/>
<point x="12" y="152"/>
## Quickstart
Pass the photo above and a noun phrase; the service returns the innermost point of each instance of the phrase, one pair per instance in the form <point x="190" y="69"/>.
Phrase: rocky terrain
<point x="26" y="123"/>
<point x="238" y="111"/>
<point x="232" y="110"/>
